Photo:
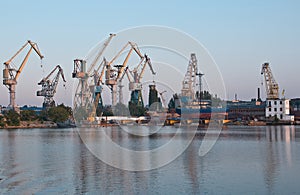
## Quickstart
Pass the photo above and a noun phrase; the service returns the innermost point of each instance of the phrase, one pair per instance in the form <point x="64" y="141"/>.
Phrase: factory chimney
<point x="258" y="95"/>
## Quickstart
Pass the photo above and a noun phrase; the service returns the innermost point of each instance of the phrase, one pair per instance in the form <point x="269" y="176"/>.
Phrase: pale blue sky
<point x="240" y="35"/>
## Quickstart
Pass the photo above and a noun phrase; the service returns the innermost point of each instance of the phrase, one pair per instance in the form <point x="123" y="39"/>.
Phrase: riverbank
<point x="32" y="125"/>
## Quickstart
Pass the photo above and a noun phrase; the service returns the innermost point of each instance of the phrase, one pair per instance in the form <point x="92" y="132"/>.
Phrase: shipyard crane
<point x="11" y="75"/>
<point x="49" y="86"/>
<point x="189" y="81"/>
<point x="271" y="85"/>
<point x="113" y="76"/>
<point x="135" y="76"/>
<point x="83" y="95"/>
<point x="121" y="99"/>
<point x="97" y="98"/>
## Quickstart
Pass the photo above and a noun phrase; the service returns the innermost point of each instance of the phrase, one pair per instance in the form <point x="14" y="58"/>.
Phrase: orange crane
<point x="11" y="75"/>
<point x="49" y="87"/>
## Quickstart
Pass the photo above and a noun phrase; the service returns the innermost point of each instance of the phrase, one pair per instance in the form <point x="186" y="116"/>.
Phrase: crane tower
<point x="271" y="85"/>
<point x="11" y="75"/>
<point x="189" y="81"/>
<point x="83" y="95"/>
<point x="49" y="87"/>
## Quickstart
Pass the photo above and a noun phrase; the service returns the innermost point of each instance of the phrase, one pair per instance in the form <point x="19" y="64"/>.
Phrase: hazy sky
<point x="240" y="36"/>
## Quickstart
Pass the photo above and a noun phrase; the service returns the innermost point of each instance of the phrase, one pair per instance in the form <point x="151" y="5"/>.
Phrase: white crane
<point x="189" y="82"/>
<point x="83" y="95"/>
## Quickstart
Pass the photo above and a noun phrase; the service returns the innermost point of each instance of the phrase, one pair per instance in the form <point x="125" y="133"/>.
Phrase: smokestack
<point x="258" y="94"/>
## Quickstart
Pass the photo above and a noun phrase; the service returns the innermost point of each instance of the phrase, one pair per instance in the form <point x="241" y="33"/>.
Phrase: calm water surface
<point x="245" y="160"/>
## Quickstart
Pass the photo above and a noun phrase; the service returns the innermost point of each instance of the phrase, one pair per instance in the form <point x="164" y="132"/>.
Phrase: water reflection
<point x="280" y="133"/>
<point x="285" y="134"/>
<point x="245" y="159"/>
<point x="278" y="149"/>
<point x="192" y="161"/>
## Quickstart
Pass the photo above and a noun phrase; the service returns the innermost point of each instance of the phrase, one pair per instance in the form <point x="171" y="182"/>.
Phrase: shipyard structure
<point x="197" y="104"/>
<point x="191" y="105"/>
<point x="274" y="110"/>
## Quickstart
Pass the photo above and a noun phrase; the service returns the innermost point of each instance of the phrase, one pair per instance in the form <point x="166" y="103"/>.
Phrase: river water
<point x="244" y="160"/>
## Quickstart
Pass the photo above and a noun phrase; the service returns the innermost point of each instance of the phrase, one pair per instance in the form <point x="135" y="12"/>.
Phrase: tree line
<point x="59" y="113"/>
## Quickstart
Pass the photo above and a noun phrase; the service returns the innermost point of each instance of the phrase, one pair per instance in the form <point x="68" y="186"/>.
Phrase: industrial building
<point x="277" y="109"/>
<point x="295" y="108"/>
<point x="246" y="110"/>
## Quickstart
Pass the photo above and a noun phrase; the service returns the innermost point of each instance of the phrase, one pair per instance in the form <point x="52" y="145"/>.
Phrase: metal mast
<point x="189" y="81"/>
<point x="271" y="85"/>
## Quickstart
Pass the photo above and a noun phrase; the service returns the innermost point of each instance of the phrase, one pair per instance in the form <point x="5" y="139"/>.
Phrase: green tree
<point x="67" y="108"/>
<point x="28" y="115"/>
<point x="12" y="118"/>
<point x="58" y="114"/>
<point x="2" y="121"/>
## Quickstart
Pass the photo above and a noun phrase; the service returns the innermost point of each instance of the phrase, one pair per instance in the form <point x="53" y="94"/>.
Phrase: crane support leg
<point x="12" y="96"/>
<point x="114" y="95"/>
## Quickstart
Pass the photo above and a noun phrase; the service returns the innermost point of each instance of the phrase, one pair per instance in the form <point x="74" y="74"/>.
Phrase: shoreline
<point x="32" y="125"/>
<point x="55" y="126"/>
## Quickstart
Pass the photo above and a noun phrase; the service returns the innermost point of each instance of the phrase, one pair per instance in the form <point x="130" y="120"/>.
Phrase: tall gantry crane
<point x="135" y="76"/>
<point x="83" y="94"/>
<point x="11" y="75"/>
<point x="97" y="98"/>
<point x="271" y="85"/>
<point x="189" y="81"/>
<point x="49" y="87"/>
<point x="114" y="76"/>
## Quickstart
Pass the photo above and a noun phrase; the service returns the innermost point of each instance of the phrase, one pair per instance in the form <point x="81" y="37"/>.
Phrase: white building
<point x="279" y="108"/>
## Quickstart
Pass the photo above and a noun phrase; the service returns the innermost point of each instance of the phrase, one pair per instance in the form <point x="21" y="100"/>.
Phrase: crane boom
<point x="93" y="64"/>
<point x="11" y="75"/>
<point x="13" y="57"/>
<point x="118" y="54"/>
<point x="121" y="71"/>
<point x="270" y="82"/>
<point x="147" y="61"/>
<point x="113" y="76"/>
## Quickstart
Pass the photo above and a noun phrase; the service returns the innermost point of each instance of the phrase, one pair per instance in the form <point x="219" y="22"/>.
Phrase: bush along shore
<point x="47" y="118"/>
